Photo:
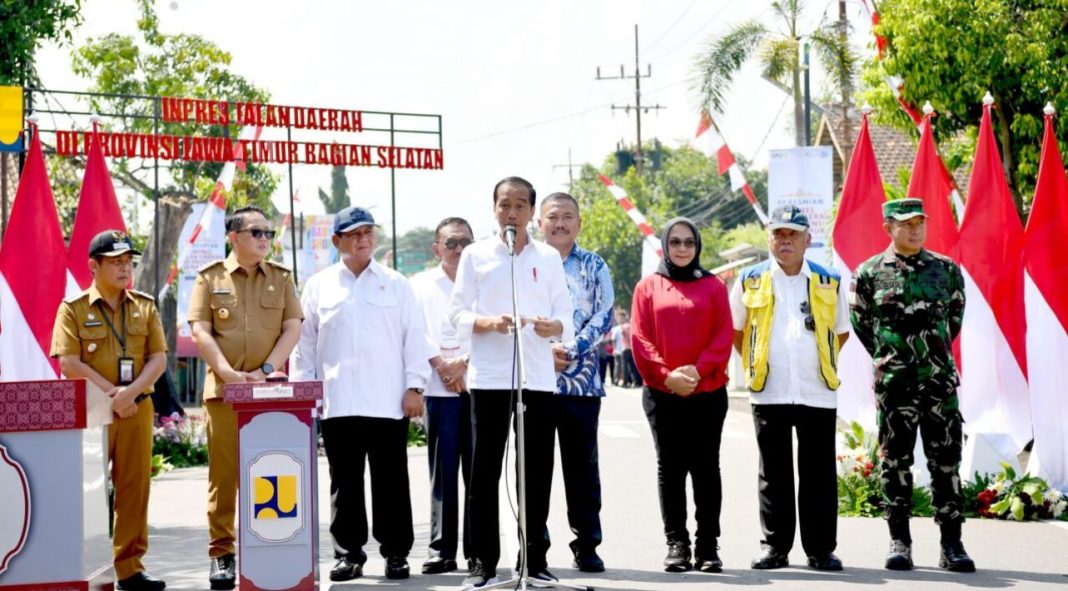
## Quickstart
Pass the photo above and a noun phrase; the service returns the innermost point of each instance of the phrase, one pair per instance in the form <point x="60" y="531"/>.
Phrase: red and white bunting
<point x="896" y="83"/>
<point x="709" y="142"/>
<point x="215" y="214"/>
<point x="636" y="216"/>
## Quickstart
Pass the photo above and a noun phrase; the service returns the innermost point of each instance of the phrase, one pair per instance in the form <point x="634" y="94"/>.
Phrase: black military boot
<point x="954" y="557"/>
<point x="900" y="555"/>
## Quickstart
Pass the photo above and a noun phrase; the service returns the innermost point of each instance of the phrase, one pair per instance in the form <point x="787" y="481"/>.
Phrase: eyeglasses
<point x="687" y="243"/>
<point x="258" y="233"/>
<point x="452" y="243"/>
<point x="810" y="322"/>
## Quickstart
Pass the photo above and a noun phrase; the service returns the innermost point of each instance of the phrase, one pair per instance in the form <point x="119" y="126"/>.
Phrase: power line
<point x="529" y="125"/>
<point x="672" y="27"/>
<point x="637" y="106"/>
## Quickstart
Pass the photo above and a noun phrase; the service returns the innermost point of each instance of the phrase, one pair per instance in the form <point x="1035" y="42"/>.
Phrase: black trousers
<point x="817" y="489"/>
<point x="491" y="414"/>
<point x="383" y="443"/>
<point x="630" y="370"/>
<point x="575" y="420"/>
<point x="687" y="431"/>
<point x="448" y="437"/>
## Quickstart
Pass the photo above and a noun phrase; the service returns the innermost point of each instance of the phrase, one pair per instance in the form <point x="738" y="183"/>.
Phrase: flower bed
<point x="1002" y="496"/>
<point x="179" y="442"/>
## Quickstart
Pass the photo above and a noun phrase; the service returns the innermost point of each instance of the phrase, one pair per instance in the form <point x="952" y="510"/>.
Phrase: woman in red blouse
<point x="681" y="335"/>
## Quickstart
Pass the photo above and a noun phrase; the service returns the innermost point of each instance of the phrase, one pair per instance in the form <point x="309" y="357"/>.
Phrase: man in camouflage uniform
<point x="907" y="306"/>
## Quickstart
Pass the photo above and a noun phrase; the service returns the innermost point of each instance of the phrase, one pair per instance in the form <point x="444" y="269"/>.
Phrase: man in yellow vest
<point x="790" y="319"/>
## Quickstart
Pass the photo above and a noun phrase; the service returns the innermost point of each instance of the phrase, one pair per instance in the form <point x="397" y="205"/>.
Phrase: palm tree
<point x="778" y="51"/>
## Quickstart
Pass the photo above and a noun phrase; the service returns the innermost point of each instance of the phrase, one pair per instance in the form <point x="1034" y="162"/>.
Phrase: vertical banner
<point x="209" y="246"/>
<point x="804" y="177"/>
<point x="316" y="251"/>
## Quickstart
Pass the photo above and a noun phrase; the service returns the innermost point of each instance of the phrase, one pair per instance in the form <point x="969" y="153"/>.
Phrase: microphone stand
<point x="522" y="579"/>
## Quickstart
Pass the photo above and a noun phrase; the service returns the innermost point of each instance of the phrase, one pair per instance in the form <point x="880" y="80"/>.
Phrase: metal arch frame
<point x="157" y="120"/>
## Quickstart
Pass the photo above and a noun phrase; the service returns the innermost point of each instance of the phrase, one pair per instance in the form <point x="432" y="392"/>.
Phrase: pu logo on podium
<point x="276" y="512"/>
<point x="15" y="516"/>
<point x="276" y="497"/>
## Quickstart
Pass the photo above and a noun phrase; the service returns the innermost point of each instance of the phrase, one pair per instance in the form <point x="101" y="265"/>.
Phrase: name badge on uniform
<point x="220" y="291"/>
<point x="91" y="324"/>
<point x="126" y="371"/>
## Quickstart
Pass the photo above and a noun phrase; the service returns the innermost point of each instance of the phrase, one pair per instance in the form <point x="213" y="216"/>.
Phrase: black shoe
<point x="826" y="561"/>
<point x="345" y="570"/>
<point x="479" y="576"/>
<point x="769" y="559"/>
<point x="141" y="581"/>
<point x="678" y="557"/>
<point x="900" y="556"/>
<point x="543" y="574"/>
<point x="223" y="573"/>
<point x="955" y="558"/>
<point x="438" y="565"/>
<point x="397" y="567"/>
<point x="587" y="561"/>
<point x="707" y="561"/>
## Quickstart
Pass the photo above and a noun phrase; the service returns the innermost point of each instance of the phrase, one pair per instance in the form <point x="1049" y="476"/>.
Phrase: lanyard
<point x="107" y="318"/>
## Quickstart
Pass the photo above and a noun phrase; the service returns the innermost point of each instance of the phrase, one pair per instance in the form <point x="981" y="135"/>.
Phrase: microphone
<point x="509" y="238"/>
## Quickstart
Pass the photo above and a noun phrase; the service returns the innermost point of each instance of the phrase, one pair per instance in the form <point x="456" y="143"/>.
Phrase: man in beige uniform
<point x="112" y="336"/>
<point x="245" y="319"/>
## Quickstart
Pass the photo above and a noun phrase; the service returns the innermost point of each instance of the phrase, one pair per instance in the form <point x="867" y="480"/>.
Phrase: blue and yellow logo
<point x="275" y="497"/>
<point x="11" y="119"/>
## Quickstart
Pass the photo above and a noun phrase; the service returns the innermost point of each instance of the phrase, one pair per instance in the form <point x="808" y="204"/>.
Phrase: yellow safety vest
<point x="759" y="300"/>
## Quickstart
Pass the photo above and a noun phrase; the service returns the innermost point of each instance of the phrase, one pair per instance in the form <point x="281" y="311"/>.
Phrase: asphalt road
<point x="1008" y="555"/>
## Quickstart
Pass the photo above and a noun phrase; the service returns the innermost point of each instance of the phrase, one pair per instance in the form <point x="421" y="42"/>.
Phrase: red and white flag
<point x="98" y="210"/>
<point x="708" y="141"/>
<point x="213" y="218"/>
<point x="1046" y="296"/>
<point x="932" y="183"/>
<point x="857" y="236"/>
<point x="993" y="393"/>
<point x="33" y="275"/>
<point x="651" y="250"/>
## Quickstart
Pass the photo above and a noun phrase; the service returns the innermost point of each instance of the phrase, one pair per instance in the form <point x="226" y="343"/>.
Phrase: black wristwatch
<point x="267" y="368"/>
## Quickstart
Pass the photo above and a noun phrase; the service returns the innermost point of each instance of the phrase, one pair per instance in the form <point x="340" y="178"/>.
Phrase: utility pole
<point x="570" y="168"/>
<point x="637" y="106"/>
<point x="847" y="91"/>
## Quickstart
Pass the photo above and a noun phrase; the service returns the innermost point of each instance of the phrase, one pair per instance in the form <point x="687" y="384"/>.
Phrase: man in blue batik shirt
<point x="577" y="404"/>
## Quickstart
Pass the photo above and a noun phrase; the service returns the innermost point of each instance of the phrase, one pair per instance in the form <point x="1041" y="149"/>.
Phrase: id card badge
<point x="126" y="371"/>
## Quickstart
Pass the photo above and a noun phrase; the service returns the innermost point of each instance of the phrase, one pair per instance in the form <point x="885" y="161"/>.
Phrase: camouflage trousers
<point x="937" y="418"/>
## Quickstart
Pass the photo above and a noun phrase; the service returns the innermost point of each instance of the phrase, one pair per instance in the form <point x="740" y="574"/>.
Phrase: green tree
<point x="24" y="26"/>
<point x="952" y="52"/>
<point x="686" y="184"/>
<point x="180" y="65"/>
<point x="413" y="250"/>
<point x="779" y="53"/>
<point x="338" y="198"/>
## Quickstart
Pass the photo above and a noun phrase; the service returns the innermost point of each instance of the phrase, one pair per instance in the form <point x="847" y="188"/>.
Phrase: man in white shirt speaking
<point x="482" y="307"/>
<point x="791" y="316"/>
<point x="448" y="404"/>
<point x="365" y="338"/>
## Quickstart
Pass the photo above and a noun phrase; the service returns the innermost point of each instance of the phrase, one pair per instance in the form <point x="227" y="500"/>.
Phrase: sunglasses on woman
<point x="677" y="242"/>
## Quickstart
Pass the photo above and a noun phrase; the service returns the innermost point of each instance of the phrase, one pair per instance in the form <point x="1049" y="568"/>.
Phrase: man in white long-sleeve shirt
<point x="482" y="307"/>
<point x="448" y="403"/>
<point x="365" y="338"/>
